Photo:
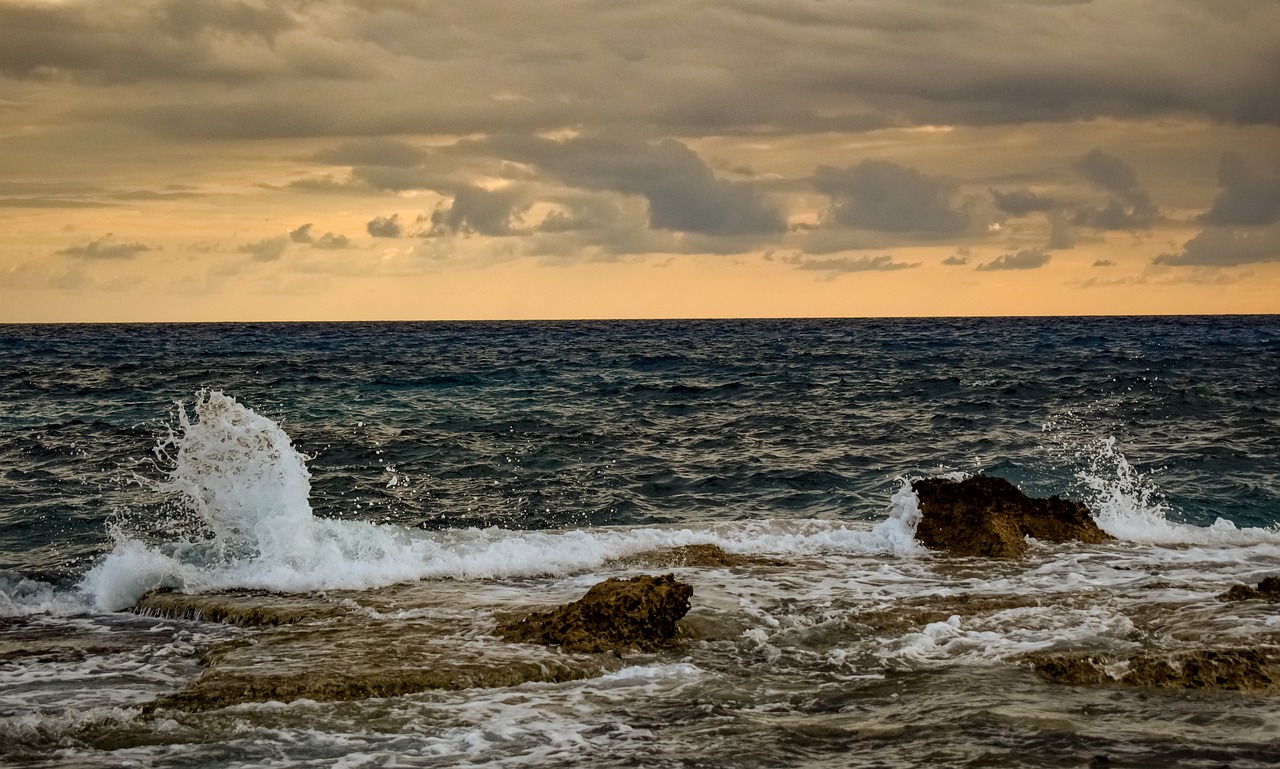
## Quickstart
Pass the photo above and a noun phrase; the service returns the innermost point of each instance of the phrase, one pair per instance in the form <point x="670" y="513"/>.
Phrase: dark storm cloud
<point x="385" y="226"/>
<point x="884" y="196"/>
<point x="129" y="42"/>
<point x="683" y="192"/>
<point x="1227" y="247"/>
<point x="104" y="247"/>
<point x="1025" y="259"/>
<point x="1130" y="206"/>
<point x="373" y="152"/>
<point x="482" y="66"/>
<point x="1247" y="196"/>
<point x="1023" y="201"/>
<point x="481" y="212"/>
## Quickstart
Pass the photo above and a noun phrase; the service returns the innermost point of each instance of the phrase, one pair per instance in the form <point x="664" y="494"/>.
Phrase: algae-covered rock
<point x="705" y="556"/>
<point x="1240" y="669"/>
<point x="246" y="608"/>
<point x="218" y="689"/>
<point x="615" y="615"/>
<point x="1267" y="590"/>
<point x="989" y="517"/>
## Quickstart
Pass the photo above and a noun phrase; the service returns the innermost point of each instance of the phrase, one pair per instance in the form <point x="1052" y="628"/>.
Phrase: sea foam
<point x="239" y="474"/>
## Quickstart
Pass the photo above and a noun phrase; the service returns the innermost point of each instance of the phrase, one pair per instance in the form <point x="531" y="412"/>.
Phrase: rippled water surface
<point x="403" y="487"/>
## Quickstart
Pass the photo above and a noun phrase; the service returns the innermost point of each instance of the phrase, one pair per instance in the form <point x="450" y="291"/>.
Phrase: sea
<point x="290" y="544"/>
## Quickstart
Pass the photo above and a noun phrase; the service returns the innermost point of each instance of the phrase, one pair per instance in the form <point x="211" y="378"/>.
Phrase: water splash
<point x="1129" y="505"/>
<point x="251" y="526"/>
<point x="239" y="472"/>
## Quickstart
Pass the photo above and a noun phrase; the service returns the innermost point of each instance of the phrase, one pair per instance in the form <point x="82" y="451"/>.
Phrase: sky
<point x="243" y="160"/>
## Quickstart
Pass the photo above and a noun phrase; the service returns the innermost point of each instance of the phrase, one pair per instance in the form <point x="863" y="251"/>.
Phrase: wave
<point x="251" y="526"/>
<point x="246" y="485"/>
<point x="1128" y="505"/>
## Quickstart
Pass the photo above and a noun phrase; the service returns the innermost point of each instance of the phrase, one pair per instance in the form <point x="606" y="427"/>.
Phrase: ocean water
<point x="364" y="502"/>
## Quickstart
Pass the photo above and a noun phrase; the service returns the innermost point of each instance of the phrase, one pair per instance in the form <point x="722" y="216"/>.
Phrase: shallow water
<point x="389" y="492"/>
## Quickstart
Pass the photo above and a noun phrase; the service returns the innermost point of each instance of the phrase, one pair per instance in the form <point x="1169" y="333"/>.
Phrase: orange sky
<point x="173" y="160"/>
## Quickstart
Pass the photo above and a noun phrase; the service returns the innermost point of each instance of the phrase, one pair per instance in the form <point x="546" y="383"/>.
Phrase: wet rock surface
<point x="615" y="615"/>
<point x="1237" y="669"/>
<point x="989" y="517"/>
<point x="1267" y="590"/>
<point x="706" y="556"/>
<point x="242" y="608"/>
<point x="219" y="688"/>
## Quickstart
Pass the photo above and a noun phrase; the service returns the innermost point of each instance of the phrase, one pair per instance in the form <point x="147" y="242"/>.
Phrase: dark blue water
<point x="533" y="425"/>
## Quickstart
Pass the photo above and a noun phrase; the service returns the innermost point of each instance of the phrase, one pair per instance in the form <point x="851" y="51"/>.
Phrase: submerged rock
<point x="219" y="689"/>
<point x="989" y="517"/>
<point x="705" y="556"/>
<point x="1240" y="669"/>
<point x="615" y="615"/>
<point x="243" y="608"/>
<point x="1267" y="590"/>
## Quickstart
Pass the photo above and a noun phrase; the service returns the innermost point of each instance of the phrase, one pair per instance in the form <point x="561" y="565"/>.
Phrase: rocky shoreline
<point x="978" y="517"/>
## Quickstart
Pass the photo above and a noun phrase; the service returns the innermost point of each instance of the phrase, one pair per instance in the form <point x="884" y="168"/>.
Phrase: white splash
<point x="239" y="474"/>
<point x="1127" y="504"/>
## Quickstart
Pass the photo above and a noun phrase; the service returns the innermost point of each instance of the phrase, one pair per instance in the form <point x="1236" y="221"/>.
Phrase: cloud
<point x="884" y="196"/>
<point x="1023" y="201"/>
<point x="373" y="152"/>
<point x="385" y="226"/>
<point x="475" y="210"/>
<point x="1104" y="263"/>
<point x="1247" y="197"/>
<point x="332" y="242"/>
<point x="1060" y="236"/>
<point x="958" y="259"/>
<point x="1025" y="259"/>
<point x="266" y="250"/>
<point x="1227" y="247"/>
<point x="883" y="263"/>
<point x="126" y="43"/>
<point x="344" y="68"/>
<point x="1129" y="208"/>
<point x="104" y="247"/>
<point x="683" y="192"/>
<point x="301" y="235"/>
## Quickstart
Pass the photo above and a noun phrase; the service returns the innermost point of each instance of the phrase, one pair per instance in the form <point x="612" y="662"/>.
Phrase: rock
<point x="989" y="517"/>
<point x="1239" y="669"/>
<point x="1267" y="590"/>
<point x="216" y="689"/>
<point x="615" y="615"/>
<point x="706" y="556"/>
<point x="246" y="608"/>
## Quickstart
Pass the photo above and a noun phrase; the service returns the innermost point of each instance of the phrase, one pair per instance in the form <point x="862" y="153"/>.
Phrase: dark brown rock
<point x="615" y="615"/>
<point x="1267" y="590"/>
<point x="1239" y="669"/>
<point x="989" y="517"/>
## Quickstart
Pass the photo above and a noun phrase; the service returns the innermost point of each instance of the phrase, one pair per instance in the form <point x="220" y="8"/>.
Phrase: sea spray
<point x="1129" y="505"/>
<point x="239" y="472"/>
<point x="252" y="527"/>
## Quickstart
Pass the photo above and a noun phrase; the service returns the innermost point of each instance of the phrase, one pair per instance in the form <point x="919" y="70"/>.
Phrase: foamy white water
<point x="239" y="474"/>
